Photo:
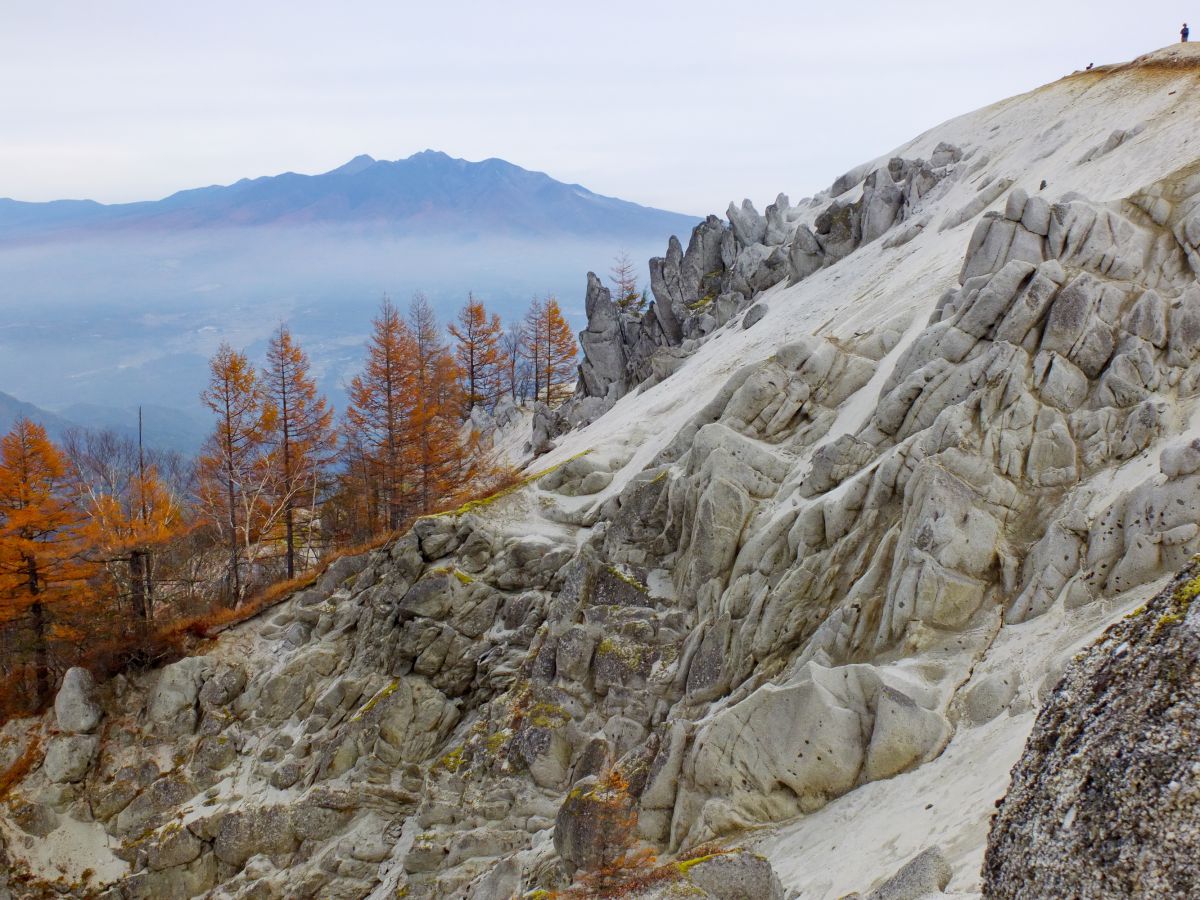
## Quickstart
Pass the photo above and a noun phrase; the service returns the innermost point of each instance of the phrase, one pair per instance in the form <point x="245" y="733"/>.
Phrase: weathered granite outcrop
<point x="726" y="265"/>
<point x="1104" y="800"/>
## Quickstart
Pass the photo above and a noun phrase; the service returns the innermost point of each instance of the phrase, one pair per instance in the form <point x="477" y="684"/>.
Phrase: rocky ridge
<point x="756" y="615"/>
<point x="728" y="264"/>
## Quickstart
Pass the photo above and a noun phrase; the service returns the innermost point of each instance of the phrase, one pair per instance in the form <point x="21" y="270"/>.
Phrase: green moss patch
<point x="381" y="694"/>
<point x="484" y="502"/>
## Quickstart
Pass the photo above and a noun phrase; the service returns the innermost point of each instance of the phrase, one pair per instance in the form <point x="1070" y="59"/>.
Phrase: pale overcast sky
<point x="683" y="105"/>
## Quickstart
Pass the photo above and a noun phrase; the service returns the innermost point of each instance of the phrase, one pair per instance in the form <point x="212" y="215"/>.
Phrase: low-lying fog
<point x="132" y="318"/>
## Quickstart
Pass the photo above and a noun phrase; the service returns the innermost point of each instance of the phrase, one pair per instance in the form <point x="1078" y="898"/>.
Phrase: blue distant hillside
<point x="165" y="428"/>
<point x="427" y="193"/>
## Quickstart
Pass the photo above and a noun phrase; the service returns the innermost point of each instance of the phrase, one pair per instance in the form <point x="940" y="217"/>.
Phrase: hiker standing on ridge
<point x="1183" y="33"/>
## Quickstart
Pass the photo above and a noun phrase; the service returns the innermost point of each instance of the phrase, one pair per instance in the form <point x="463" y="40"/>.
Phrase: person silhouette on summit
<point x="1183" y="33"/>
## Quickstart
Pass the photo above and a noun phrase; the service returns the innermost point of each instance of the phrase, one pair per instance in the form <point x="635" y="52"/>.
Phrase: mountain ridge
<point x="427" y="192"/>
<point x="166" y="428"/>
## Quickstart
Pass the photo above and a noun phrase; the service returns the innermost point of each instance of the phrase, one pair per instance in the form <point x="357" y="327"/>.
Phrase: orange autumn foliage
<point x="374" y="428"/>
<point x="299" y="432"/>
<point x="40" y="539"/>
<point x="404" y="444"/>
<point x="130" y="528"/>
<point x="148" y="515"/>
<point x="481" y="359"/>
<point x="550" y="348"/>
<point x="439" y="459"/>
<point x="232" y="467"/>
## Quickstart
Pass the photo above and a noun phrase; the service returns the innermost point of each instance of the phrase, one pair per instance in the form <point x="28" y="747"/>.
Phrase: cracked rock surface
<point x="1104" y="799"/>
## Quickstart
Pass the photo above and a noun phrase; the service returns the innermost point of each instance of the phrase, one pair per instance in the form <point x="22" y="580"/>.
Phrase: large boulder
<point x="925" y="874"/>
<point x="1103" y="802"/>
<point x="788" y="749"/>
<point x="173" y="705"/>
<point x="69" y="757"/>
<point x="75" y="707"/>
<point x="242" y="834"/>
<point x="595" y="825"/>
<point x="740" y="875"/>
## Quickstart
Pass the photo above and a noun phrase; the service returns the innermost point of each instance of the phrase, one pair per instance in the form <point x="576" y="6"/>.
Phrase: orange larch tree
<point x="479" y="354"/>
<point x="300" y="437"/>
<point x="550" y="349"/>
<point x="533" y="346"/>
<point x="233" y="472"/>
<point x="437" y="453"/>
<point x="380" y="402"/>
<point x="353" y="513"/>
<point x="39" y="538"/>
<point x="560" y="352"/>
<point x="133" y="511"/>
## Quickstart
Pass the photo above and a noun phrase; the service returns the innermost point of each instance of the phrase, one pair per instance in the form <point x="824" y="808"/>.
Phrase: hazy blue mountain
<point x="429" y="192"/>
<point x="162" y="426"/>
<point x="119" y="305"/>
<point x="12" y="409"/>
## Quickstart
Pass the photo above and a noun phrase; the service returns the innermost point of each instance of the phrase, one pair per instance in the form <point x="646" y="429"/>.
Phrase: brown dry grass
<point x="1168" y="61"/>
<point x="210" y="624"/>
<point x="612" y="884"/>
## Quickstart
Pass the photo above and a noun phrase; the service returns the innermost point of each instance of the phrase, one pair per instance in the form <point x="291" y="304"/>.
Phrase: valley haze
<point x="131" y="299"/>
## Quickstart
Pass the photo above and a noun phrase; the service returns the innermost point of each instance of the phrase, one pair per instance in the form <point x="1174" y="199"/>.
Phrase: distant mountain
<point x="111" y="306"/>
<point x="12" y="409"/>
<point x="163" y="427"/>
<point x="427" y="193"/>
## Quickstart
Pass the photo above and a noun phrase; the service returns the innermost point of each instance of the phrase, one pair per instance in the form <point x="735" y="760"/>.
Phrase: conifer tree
<point x="625" y="293"/>
<point x="479" y="355"/>
<point x="380" y="402"/>
<point x="39" y="537"/>
<point x="550" y="349"/>
<point x="438" y="457"/>
<point x="532" y="330"/>
<point x="300" y="436"/>
<point x="353" y="513"/>
<point x="512" y="344"/>
<point x="559" y="354"/>
<point x="232" y="470"/>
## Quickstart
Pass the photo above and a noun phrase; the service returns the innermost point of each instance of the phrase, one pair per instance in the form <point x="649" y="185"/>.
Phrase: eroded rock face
<point x="593" y="826"/>
<point x="726" y="265"/>
<point x="1103" y="801"/>
<point x="173" y="703"/>
<point x="788" y="750"/>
